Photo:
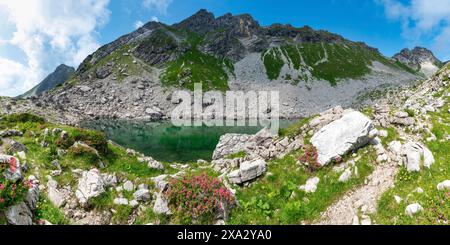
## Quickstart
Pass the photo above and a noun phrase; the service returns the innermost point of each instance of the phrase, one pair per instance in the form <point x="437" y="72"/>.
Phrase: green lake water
<point x="167" y="143"/>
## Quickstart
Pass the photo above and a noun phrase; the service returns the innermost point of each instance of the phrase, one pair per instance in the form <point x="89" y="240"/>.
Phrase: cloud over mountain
<point x="422" y="19"/>
<point x="49" y="32"/>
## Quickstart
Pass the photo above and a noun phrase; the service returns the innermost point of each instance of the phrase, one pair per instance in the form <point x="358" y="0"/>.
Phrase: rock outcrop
<point x="248" y="171"/>
<point x="89" y="185"/>
<point x="419" y="59"/>
<point x="416" y="156"/>
<point x="352" y="131"/>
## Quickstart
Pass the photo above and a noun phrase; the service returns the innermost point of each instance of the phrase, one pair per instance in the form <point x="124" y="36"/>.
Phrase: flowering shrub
<point x="198" y="197"/>
<point x="11" y="191"/>
<point x="310" y="158"/>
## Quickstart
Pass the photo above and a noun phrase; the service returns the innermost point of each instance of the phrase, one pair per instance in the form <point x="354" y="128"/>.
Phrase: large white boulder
<point x="248" y="171"/>
<point x="352" y="131"/>
<point x="416" y="155"/>
<point x="89" y="185"/>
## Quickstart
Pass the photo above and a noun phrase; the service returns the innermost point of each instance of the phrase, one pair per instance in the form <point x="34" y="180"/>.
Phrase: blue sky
<point x="36" y="36"/>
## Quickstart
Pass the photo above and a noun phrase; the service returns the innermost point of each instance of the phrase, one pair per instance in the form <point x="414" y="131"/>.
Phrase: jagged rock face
<point x="201" y="22"/>
<point x="59" y="76"/>
<point x="90" y="185"/>
<point x="420" y="59"/>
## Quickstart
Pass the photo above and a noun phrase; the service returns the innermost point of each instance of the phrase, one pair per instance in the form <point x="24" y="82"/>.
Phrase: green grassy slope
<point x="329" y="62"/>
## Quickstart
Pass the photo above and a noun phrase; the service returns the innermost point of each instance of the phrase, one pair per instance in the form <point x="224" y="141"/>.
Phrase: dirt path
<point x="355" y="205"/>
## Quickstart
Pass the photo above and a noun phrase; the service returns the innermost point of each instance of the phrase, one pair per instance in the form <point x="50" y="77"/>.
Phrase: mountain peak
<point x="63" y="66"/>
<point x="201" y="22"/>
<point x="61" y="74"/>
<point x="420" y="59"/>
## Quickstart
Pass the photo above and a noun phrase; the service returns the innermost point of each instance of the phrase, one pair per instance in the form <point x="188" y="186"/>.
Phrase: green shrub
<point x="240" y="154"/>
<point x="92" y="138"/>
<point x="11" y="192"/>
<point x="309" y="158"/>
<point x="410" y="112"/>
<point x="196" y="198"/>
<point x="45" y="210"/>
<point x="84" y="152"/>
<point x="22" y="118"/>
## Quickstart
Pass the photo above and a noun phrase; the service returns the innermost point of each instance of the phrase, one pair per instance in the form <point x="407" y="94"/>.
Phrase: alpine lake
<point x="168" y="143"/>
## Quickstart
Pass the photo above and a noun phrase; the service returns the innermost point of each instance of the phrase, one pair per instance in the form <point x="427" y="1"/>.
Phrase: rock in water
<point x="416" y="155"/>
<point x="90" y="185"/>
<point x="352" y="131"/>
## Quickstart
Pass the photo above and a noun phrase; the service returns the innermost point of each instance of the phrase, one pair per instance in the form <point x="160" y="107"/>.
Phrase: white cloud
<point x="154" y="18"/>
<point x="159" y="5"/>
<point x="138" y="24"/>
<point x="11" y="75"/>
<point x="49" y="32"/>
<point x="422" y="19"/>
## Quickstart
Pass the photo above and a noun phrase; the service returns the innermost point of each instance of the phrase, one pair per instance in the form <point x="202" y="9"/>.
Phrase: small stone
<point x="382" y="158"/>
<point x="311" y="185"/>
<point x="445" y="185"/>
<point x="401" y="114"/>
<point x="395" y="147"/>
<point x="120" y="201"/>
<point x="128" y="186"/>
<point x="413" y="209"/>
<point x="383" y="133"/>
<point x="345" y="176"/>
<point x="134" y="203"/>
<point x="398" y="199"/>
<point x="142" y="195"/>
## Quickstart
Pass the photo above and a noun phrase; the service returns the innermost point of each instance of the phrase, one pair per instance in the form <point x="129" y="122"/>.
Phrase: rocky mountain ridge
<point x="419" y="59"/>
<point x="134" y="77"/>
